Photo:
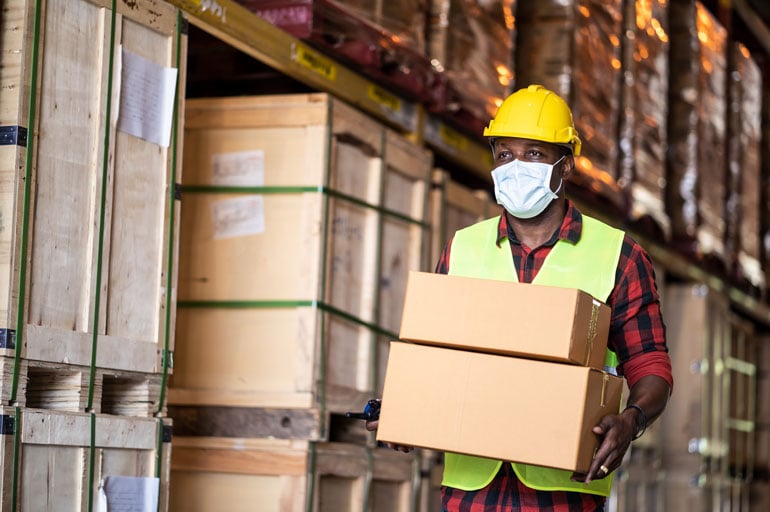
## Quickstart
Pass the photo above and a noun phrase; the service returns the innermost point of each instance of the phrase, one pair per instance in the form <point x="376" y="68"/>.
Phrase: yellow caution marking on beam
<point x="383" y="98"/>
<point x="314" y="61"/>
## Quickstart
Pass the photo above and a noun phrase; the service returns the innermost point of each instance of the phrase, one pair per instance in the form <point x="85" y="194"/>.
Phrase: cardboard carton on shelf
<point x="563" y="325"/>
<point x="494" y="406"/>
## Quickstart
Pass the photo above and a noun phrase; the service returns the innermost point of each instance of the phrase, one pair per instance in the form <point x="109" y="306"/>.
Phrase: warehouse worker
<point x="542" y="238"/>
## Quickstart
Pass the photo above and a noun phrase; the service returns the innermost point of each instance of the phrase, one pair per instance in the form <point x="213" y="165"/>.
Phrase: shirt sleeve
<point x="442" y="266"/>
<point x="637" y="332"/>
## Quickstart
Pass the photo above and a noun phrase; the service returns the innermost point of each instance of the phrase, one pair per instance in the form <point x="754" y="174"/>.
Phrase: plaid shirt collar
<point x="570" y="229"/>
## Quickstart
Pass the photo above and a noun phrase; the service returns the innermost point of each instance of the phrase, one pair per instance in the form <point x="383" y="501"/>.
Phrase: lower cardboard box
<point x="495" y="406"/>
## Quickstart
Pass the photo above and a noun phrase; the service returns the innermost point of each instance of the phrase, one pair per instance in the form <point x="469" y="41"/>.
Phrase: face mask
<point x="524" y="188"/>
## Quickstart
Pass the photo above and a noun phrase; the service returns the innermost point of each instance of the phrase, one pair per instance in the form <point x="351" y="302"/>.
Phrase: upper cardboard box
<point x="524" y="320"/>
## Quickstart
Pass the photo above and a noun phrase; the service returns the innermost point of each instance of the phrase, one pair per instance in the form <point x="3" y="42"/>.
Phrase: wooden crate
<point x="762" y="452"/>
<point x="288" y="476"/>
<point x="759" y="496"/>
<point x="454" y="206"/>
<point x="739" y="379"/>
<point x="709" y="431"/>
<point x="638" y="482"/>
<point x="431" y="474"/>
<point x="54" y="273"/>
<point x="301" y="219"/>
<point x="53" y="469"/>
<point x="684" y="489"/>
<point x="697" y="321"/>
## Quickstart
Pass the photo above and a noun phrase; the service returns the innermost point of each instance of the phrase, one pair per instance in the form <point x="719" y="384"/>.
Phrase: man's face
<point x="507" y="149"/>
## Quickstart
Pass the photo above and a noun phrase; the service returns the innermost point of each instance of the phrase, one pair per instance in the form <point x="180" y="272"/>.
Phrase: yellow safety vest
<point x="589" y="265"/>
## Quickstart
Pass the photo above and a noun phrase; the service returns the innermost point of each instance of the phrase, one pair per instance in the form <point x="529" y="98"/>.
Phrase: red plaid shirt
<point x="637" y="335"/>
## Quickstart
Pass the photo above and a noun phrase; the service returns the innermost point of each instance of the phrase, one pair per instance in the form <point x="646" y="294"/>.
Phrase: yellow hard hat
<point x="535" y="113"/>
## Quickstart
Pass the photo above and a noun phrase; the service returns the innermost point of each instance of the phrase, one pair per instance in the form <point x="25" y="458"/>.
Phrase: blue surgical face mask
<point x="524" y="188"/>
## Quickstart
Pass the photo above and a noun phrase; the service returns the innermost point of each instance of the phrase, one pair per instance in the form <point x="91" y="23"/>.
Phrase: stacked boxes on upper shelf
<point x="381" y="40"/>
<point x="472" y="44"/>
<point x="743" y="229"/>
<point x="696" y="174"/>
<point x="573" y="48"/>
<point x="642" y="141"/>
<point x="86" y="245"/>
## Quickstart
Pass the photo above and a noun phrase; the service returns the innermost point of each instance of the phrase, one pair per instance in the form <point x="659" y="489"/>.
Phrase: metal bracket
<point x="13" y="136"/>
<point x="7" y="424"/>
<point x="7" y="338"/>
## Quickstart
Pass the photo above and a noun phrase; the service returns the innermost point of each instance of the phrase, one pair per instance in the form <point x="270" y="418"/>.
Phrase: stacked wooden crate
<point x="454" y="206"/>
<point x="760" y="484"/>
<point x="708" y="431"/>
<point x="86" y="241"/>
<point x="301" y="218"/>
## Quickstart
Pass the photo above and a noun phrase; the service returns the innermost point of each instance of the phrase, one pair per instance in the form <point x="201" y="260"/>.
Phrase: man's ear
<point x="567" y="166"/>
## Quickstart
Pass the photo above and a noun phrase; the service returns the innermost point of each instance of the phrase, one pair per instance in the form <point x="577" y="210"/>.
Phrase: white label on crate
<point x="129" y="494"/>
<point x="242" y="168"/>
<point x="241" y="216"/>
<point x="146" y="98"/>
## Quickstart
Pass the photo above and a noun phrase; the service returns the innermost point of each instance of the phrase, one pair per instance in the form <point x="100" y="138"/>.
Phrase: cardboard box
<point x="525" y="320"/>
<point x="495" y="406"/>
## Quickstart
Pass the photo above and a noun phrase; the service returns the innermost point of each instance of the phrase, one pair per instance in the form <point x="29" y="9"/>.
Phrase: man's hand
<point x="616" y="431"/>
<point x="371" y="426"/>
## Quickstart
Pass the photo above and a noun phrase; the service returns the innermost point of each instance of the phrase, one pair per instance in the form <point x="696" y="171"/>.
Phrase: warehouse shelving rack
<point x="247" y="32"/>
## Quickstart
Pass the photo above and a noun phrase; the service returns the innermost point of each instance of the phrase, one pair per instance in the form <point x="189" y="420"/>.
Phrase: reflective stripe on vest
<point x="590" y="265"/>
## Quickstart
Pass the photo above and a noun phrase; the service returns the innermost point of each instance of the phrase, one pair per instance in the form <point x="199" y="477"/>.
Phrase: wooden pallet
<point x="288" y="476"/>
<point x="62" y="387"/>
<point x="79" y="161"/>
<point x="301" y="219"/>
<point x="53" y="472"/>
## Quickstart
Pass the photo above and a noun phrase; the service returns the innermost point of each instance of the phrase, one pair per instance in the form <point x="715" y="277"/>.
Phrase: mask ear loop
<point x="561" y="178"/>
